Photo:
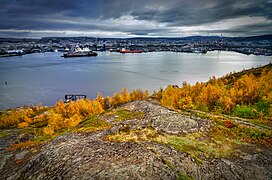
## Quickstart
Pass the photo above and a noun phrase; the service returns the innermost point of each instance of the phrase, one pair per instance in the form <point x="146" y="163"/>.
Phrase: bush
<point x="244" y="111"/>
<point x="228" y="124"/>
<point x="262" y="107"/>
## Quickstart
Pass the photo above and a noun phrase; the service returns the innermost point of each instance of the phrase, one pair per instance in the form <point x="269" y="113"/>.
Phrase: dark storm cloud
<point x="85" y="15"/>
<point x="195" y="12"/>
<point x="255" y="29"/>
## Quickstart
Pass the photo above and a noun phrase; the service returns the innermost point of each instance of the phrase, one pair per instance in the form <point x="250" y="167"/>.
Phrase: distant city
<point x="256" y="45"/>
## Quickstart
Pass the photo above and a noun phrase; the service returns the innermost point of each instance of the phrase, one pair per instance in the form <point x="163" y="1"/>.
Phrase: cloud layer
<point x="127" y="18"/>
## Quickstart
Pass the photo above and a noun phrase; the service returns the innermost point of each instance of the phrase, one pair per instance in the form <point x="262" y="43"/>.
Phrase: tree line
<point x="246" y="94"/>
<point x="64" y="115"/>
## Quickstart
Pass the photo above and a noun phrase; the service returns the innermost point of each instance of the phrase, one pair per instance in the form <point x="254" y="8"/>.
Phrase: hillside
<point x="246" y="94"/>
<point x="132" y="136"/>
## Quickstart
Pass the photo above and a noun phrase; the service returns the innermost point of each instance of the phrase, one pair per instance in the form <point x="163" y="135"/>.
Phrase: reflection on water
<point x="47" y="77"/>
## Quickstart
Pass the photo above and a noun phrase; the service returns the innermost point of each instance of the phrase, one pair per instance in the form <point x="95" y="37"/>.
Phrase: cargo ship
<point x="78" y="52"/>
<point x="123" y="50"/>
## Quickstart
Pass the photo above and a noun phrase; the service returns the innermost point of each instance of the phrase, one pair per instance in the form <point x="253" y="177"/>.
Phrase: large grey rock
<point x="79" y="156"/>
<point x="166" y="120"/>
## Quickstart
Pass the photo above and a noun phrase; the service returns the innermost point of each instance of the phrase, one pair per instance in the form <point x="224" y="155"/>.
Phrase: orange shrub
<point x="138" y="94"/>
<point x="22" y="145"/>
<point x="48" y="130"/>
<point x="171" y="97"/>
<point x="228" y="124"/>
<point x="22" y="125"/>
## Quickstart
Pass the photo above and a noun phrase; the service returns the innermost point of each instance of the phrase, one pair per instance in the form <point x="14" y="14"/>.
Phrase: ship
<point x="78" y="52"/>
<point x="123" y="50"/>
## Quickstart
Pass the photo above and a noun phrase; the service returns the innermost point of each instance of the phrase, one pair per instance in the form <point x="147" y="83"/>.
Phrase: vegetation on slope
<point x="223" y="139"/>
<point x="65" y="115"/>
<point x="247" y="94"/>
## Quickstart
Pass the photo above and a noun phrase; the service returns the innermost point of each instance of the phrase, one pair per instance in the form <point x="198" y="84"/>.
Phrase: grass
<point x="244" y="111"/>
<point x="264" y="123"/>
<point x="92" y="124"/>
<point x="44" y="138"/>
<point x="181" y="175"/>
<point x="197" y="148"/>
<point x="4" y="133"/>
<point x="38" y="138"/>
<point x="121" y="114"/>
<point x="127" y="135"/>
<point x="21" y="145"/>
<point x="222" y="140"/>
<point x="189" y="143"/>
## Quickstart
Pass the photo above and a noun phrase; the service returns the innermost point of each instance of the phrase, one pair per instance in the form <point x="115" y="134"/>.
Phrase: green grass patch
<point x="4" y="133"/>
<point x="40" y="124"/>
<point x="262" y="108"/>
<point x="189" y="143"/>
<point x="252" y="134"/>
<point x="244" y="111"/>
<point x="44" y="138"/>
<point x="197" y="148"/>
<point x="93" y="124"/>
<point x="127" y="135"/>
<point x="221" y="141"/>
<point x="241" y="134"/>
<point x="259" y="109"/>
<point x="182" y="176"/>
<point x="122" y="114"/>
<point x="264" y="123"/>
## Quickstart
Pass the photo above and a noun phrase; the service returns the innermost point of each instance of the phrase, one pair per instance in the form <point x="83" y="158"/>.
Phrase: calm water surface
<point x="47" y="77"/>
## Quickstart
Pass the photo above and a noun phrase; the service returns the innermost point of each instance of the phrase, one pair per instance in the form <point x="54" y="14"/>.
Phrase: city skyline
<point x="124" y="19"/>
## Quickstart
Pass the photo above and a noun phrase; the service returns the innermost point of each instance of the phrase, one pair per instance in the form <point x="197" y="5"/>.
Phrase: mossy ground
<point x="223" y="139"/>
<point x="92" y="124"/>
<point x="121" y="114"/>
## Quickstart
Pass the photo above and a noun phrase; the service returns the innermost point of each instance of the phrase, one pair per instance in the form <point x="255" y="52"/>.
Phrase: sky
<point x="134" y="18"/>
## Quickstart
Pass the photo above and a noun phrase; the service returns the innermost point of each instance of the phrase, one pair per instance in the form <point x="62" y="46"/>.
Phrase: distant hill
<point x="18" y="40"/>
<point x="192" y="38"/>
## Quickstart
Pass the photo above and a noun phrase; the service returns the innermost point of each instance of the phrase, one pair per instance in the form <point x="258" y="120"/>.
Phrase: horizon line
<point x="153" y="37"/>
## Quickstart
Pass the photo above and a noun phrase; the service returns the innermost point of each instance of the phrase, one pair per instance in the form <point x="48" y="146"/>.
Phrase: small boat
<point x="199" y="50"/>
<point x="123" y="50"/>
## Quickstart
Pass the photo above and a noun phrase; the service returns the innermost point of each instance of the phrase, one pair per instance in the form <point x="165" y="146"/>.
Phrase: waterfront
<point x="46" y="77"/>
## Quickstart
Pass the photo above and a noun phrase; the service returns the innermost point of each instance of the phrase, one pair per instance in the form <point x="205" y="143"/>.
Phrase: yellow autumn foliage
<point x="65" y="115"/>
<point x="22" y="125"/>
<point x="48" y="130"/>
<point x="222" y="94"/>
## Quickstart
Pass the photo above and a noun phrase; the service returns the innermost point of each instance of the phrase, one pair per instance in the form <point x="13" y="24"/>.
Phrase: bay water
<point x="46" y="77"/>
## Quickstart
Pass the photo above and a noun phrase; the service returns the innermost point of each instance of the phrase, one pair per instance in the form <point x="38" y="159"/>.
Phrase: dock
<point x="74" y="97"/>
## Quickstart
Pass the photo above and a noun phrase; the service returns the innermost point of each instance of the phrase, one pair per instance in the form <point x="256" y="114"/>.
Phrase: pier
<point x="74" y="97"/>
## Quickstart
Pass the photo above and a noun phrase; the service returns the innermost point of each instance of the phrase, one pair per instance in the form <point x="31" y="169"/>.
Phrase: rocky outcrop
<point x="83" y="156"/>
<point x="166" y="120"/>
<point x="87" y="155"/>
